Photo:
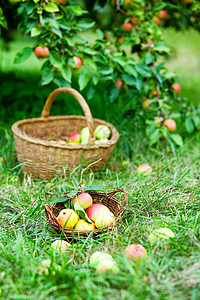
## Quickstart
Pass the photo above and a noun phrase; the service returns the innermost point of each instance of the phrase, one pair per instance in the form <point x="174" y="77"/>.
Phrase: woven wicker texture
<point x="45" y="160"/>
<point x="118" y="209"/>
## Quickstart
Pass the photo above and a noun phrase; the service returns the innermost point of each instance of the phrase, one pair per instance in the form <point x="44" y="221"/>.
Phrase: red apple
<point x="154" y="93"/>
<point x="127" y="26"/>
<point x="144" y="169"/>
<point x="84" y="200"/>
<point x="135" y="252"/>
<point x="149" y="43"/>
<point x="60" y="1"/>
<point x="61" y="142"/>
<point x="135" y="20"/>
<point x="163" y="14"/>
<point x="41" y="52"/>
<point x="156" y="20"/>
<point x="120" y="39"/>
<point x="78" y="62"/>
<point x="118" y="83"/>
<point x="74" y="138"/>
<point x="146" y="103"/>
<point x="170" y="123"/>
<point x="176" y="86"/>
<point x="95" y="210"/>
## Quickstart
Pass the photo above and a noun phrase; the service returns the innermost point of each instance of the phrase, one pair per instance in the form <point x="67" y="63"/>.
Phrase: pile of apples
<point x="102" y="134"/>
<point x="85" y="215"/>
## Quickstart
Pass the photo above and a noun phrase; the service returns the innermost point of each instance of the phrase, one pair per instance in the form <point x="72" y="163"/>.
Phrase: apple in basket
<point x="83" y="225"/>
<point x="67" y="218"/>
<point x="74" y="138"/>
<point x="85" y="135"/>
<point x="95" y="210"/>
<point x="84" y="200"/>
<point x="102" y="131"/>
<point x="104" y="219"/>
<point x="101" y="141"/>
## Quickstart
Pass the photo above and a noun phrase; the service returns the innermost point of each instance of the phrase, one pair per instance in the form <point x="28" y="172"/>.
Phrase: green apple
<point x="161" y="233"/>
<point x="85" y="134"/>
<point x="97" y="257"/>
<point x="104" y="219"/>
<point x="60" y="245"/>
<point x="102" y="131"/>
<point x="107" y="265"/>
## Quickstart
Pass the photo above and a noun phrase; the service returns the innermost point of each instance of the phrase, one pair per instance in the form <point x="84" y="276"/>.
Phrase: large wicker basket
<point x="118" y="209"/>
<point x="44" y="160"/>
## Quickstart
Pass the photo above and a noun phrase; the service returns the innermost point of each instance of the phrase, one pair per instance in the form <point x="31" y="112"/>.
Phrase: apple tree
<point x="117" y="44"/>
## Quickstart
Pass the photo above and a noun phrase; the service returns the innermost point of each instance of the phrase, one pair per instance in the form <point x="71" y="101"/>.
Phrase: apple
<point x="188" y="1"/>
<point x="60" y="245"/>
<point x="120" y="39"/>
<point x="154" y="93"/>
<point x="41" y="52"/>
<point x="144" y="169"/>
<point x="97" y="257"/>
<point x="101" y="141"/>
<point x="44" y="266"/>
<point x="118" y="83"/>
<point x="83" y="225"/>
<point x="78" y="62"/>
<point x="145" y="103"/>
<point x="135" y="252"/>
<point x="127" y="26"/>
<point x="156" y="20"/>
<point x="149" y="43"/>
<point x="84" y="200"/>
<point x="68" y="218"/>
<point x="107" y="265"/>
<point x="102" y="131"/>
<point x="60" y="1"/>
<point x="85" y="134"/>
<point x="163" y="14"/>
<point x="176" y="86"/>
<point x="135" y="20"/>
<point x="74" y="138"/>
<point x="164" y="233"/>
<point x="170" y="123"/>
<point x="104" y="219"/>
<point x="95" y="210"/>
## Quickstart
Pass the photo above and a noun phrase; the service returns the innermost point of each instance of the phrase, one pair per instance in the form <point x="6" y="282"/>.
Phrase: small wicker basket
<point x="118" y="209"/>
<point x="44" y="160"/>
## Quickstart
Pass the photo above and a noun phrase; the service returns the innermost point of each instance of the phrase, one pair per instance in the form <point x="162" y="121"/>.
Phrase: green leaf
<point x="85" y="24"/>
<point x="130" y="69"/>
<point x="55" y="59"/>
<point x="155" y="136"/>
<point x="59" y="200"/>
<point x="66" y="73"/>
<point x="23" y="55"/>
<point x="149" y="59"/>
<point x="177" y="139"/>
<point x="120" y="60"/>
<point x="161" y="47"/>
<point x="129" y="79"/>
<point x="35" y="31"/>
<point x="57" y="32"/>
<point x="196" y="120"/>
<point x="80" y="211"/>
<point x="76" y="10"/>
<point x="83" y="80"/>
<point x="100" y="34"/>
<point x="143" y="70"/>
<point x="106" y="71"/>
<point x="47" y="74"/>
<point x="3" y="21"/>
<point x="60" y="82"/>
<point x="94" y="188"/>
<point x="89" y="51"/>
<point x="51" y="7"/>
<point x="90" y="64"/>
<point x="189" y="125"/>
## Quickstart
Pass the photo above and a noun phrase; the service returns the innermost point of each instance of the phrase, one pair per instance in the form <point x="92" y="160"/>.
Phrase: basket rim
<point x="19" y="133"/>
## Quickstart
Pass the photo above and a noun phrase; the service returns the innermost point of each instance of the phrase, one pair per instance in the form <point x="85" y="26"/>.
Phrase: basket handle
<point x="122" y="191"/>
<point x="78" y="97"/>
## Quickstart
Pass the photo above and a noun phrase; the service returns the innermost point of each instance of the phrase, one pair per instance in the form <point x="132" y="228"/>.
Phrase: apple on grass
<point x="67" y="218"/>
<point x="83" y="225"/>
<point x="102" y="131"/>
<point x="103" y="262"/>
<point x="144" y="169"/>
<point x="161" y="233"/>
<point x="104" y="219"/>
<point x="74" y="138"/>
<point x="95" y="210"/>
<point x="135" y="252"/>
<point x="41" y="52"/>
<point x="170" y="123"/>
<point x="60" y="245"/>
<point x="84" y="200"/>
